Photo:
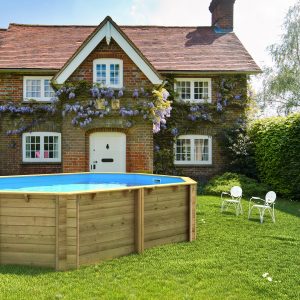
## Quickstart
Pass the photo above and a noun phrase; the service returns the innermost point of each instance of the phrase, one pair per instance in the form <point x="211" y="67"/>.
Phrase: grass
<point x="225" y="262"/>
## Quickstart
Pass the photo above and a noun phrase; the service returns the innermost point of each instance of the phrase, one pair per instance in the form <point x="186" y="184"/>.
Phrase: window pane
<point x="183" y="150"/>
<point x="114" y="74"/>
<point x="33" y="88"/>
<point x="201" y="150"/>
<point x="101" y="73"/>
<point x="32" y="147"/>
<point x="48" y="91"/>
<point x="51" y="147"/>
<point x="200" y="90"/>
<point x="184" y="90"/>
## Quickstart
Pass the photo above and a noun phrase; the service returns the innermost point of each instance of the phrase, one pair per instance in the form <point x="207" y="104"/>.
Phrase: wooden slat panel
<point x="28" y="212"/>
<point x="106" y="245"/>
<point x="114" y="203"/>
<point x="21" y="203"/>
<point x="166" y="240"/>
<point x="109" y="197"/>
<point x="105" y="212"/>
<point x="97" y="237"/>
<point x="165" y="194"/>
<point x="34" y="230"/>
<point x="166" y="213"/>
<point x="12" y="261"/>
<point x="167" y="233"/>
<point x="104" y="255"/>
<point x="27" y="239"/>
<point x="170" y="224"/>
<point x="27" y="248"/>
<point x="163" y="205"/>
<point x="180" y="215"/>
<point x="121" y="222"/>
<point x="27" y="221"/>
<point x="28" y="258"/>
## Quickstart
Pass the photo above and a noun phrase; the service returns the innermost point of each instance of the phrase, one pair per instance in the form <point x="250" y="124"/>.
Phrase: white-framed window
<point x="193" y="89"/>
<point x="108" y="72"/>
<point x="193" y="150"/>
<point x="37" y="88"/>
<point x="41" y="147"/>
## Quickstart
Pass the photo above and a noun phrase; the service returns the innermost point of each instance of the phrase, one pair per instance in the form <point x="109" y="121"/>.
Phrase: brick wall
<point x="75" y="141"/>
<point x="132" y="75"/>
<point x="139" y="138"/>
<point x="11" y="152"/>
<point x="226" y="119"/>
<point x="11" y="87"/>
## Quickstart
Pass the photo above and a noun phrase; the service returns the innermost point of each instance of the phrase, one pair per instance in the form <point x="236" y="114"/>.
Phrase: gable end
<point x="108" y="30"/>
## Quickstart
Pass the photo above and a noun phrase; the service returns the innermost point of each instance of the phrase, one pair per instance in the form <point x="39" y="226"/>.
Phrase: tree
<point x="281" y="83"/>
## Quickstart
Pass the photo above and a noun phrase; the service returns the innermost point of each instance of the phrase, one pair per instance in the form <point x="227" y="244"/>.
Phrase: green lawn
<point x="226" y="262"/>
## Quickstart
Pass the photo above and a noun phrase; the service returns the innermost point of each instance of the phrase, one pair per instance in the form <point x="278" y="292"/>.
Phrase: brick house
<point x="117" y="56"/>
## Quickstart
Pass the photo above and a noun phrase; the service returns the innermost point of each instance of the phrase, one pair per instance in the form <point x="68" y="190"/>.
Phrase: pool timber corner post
<point x="139" y="207"/>
<point x="67" y="232"/>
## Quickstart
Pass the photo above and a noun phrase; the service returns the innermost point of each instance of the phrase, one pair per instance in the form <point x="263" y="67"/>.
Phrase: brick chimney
<point x="222" y="14"/>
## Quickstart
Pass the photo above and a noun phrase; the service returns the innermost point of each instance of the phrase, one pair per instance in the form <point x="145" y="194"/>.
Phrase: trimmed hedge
<point x="277" y="153"/>
<point x="225" y="182"/>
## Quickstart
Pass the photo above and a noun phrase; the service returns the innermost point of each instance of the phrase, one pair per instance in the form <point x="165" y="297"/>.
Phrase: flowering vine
<point x="86" y="104"/>
<point x="229" y="101"/>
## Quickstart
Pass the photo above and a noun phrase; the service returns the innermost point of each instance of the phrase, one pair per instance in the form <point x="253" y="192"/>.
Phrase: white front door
<point x="108" y="152"/>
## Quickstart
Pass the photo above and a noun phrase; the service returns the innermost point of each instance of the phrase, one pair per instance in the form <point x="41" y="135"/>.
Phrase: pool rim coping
<point x="187" y="181"/>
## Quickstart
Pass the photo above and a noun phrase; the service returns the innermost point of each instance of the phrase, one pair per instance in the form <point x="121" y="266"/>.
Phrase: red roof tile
<point x="167" y="48"/>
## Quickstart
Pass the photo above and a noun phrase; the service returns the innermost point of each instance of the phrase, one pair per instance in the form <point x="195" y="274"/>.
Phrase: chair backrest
<point x="270" y="197"/>
<point x="236" y="192"/>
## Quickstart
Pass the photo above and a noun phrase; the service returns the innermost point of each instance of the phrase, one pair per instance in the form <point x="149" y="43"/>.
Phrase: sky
<point x="257" y="23"/>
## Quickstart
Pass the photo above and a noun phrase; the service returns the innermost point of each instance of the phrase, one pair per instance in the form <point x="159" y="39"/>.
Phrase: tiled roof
<point x="2" y="33"/>
<point x="167" y="48"/>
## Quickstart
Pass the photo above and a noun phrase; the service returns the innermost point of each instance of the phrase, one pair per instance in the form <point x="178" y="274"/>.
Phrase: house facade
<point x="36" y="59"/>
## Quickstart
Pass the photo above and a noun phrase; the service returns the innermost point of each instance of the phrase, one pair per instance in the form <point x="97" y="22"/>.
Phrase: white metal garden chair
<point x="268" y="205"/>
<point x="235" y="200"/>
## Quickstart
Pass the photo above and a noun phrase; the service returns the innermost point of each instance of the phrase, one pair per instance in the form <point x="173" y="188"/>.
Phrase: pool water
<point x="81" y="182"/>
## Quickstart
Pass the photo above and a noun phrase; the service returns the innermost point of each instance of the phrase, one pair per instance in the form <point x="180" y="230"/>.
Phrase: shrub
<point x="225" y="182"/>
<point x="238" y="148"/>
<point x="277" y="153"/>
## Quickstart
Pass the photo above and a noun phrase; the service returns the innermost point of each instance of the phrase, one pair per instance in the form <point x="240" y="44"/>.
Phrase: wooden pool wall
<point x="68" y="230"/>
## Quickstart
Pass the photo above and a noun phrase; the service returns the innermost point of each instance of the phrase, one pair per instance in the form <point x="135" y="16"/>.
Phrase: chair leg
<point x="261" y="213"/>
<point x="249" y="213"/>
<point x="237" y="209"/>
<point x="222" y="206"/>
<point x="241" y="208"/>
<point x="272" y="214"/>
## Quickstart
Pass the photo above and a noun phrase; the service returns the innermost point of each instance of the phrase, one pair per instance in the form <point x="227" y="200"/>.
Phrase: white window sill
<point x="37" y="99"/>
<point x="194" y="100"/>
<point x="41" y="161"/>
<point x="192" y="163"/>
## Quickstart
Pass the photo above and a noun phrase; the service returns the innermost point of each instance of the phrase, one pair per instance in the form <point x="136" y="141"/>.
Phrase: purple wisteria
<point x="85" y="104"/>
<point x="199" y="112"/>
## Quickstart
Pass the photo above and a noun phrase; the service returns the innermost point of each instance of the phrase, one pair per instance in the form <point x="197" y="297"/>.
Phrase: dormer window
<point x="194" y="90"/>
<point x="108" y="72"/>
<point x="37" y="88"/>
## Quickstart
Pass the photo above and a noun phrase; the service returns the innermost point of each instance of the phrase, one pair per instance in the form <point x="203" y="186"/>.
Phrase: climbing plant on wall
<point x="230" y="94"/>
<point x="86" y="103"/>
<point x="82" y="103"/>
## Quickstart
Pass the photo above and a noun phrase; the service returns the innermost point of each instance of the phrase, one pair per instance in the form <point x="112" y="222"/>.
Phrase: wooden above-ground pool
<point x="64" y="221"/>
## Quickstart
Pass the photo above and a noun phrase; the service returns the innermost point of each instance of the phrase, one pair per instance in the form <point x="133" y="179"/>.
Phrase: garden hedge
<point x="277" y="153"/>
